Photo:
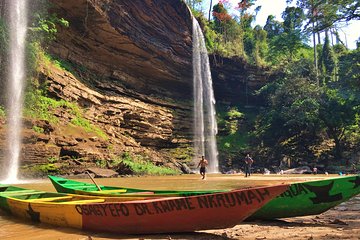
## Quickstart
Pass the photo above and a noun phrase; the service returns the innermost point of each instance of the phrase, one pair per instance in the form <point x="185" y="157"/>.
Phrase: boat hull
<point x="165" y="215"/>
<point x="310" y="198"/>
<point x="63" y="185"/>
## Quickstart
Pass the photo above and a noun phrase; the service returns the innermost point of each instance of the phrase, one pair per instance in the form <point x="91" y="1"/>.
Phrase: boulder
<point x="123" y="169"/>
<point x="185" y="169"/>
<point x="299" y="170"/>
<point x="103" y="173"/>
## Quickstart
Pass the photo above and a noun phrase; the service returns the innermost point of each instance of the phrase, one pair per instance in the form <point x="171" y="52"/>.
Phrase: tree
<point x="289" y="124"/>
<point x="273" y="27"/>
<point x="221" y="18"/>
<point x="331" y="12"/>
<point x="261" y="47"/>
<point x="225" y="25"/>
<point x="328" y="60"/>
<point x="322" y="15"/>
<point x="193" y="3"/>
<point x="211" y="2"/>
<point x="291" y="38"/>
<point x="348" y="9"/>
<point x="311" y="7"/>
<point x="338" y="111"/>
<point x="293" y="19"/>
<point x="247" y="35"/>
<point x="245" y="17"/>
<point x="349" y="69"/>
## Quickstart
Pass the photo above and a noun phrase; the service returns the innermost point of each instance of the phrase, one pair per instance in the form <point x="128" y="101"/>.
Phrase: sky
<point x="276" y="7"/>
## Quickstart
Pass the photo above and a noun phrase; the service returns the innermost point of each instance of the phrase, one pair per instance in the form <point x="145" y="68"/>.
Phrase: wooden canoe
<point x="162" y="215"/>
<point x="63" y="185"/>
<point x="310" y="198"/>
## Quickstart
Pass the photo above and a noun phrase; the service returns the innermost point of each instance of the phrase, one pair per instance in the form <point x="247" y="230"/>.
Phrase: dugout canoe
<point x="111" y="214"/>
<point x="63" y="185"/>
<point x="310" y="198"/>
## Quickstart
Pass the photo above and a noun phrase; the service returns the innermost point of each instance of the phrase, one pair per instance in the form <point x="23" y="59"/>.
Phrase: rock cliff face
<point x="139" y="45"/>
<point x="144" y="126"/>
<point x="235" y="81"/>
<point x="132" y="76"/>
<point x="147" y="122"/>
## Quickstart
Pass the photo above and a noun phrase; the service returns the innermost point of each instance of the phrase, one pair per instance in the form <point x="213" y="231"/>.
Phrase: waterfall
<point x="16" y="75"/>
<point x="205" y="126"/>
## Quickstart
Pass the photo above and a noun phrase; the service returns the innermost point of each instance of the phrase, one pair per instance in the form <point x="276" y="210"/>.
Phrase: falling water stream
<point x="16" y="75"/>
<point x="205" y="126"/>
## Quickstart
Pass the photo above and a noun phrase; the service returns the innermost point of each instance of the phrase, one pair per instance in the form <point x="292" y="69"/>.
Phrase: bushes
<point x="141" y="166"/>
<point x="229" y="121"/>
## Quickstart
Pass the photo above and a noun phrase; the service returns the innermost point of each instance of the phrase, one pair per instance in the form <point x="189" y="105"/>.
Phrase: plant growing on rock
<point x="41" y="170"/>
<point x="2" y="112"/>
<point x="140" y="166"/>
<point x="38" y="129"/>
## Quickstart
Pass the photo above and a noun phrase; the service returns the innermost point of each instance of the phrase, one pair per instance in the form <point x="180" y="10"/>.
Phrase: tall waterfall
<point x="205" y="126"/>
<point x="16" y="75"/>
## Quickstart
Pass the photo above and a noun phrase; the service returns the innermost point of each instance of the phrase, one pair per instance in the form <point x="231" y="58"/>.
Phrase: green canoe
<point x="310" y="198"/>
<point x="63" y="185"/>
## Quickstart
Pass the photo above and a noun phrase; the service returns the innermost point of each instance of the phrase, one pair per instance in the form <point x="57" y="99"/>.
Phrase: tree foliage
<point x="349" y="69"/>
<point x="338" y="112"/>
<point x="300" y="115"/>
<point x="273" y="27"/>
<point x="328" y="61"/>
<point x="194" y="4"/>
<point x="289" y="123"/>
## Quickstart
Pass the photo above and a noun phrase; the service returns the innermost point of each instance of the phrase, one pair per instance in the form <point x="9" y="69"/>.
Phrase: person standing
<point x="202" y="164"/>
<point x="248" y="162"/>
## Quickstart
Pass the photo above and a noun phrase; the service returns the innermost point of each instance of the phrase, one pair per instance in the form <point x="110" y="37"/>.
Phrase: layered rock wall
<point x="142" y="45"/>
<point x="131" y="75"/>
<point x="149" y="122"/>
<point x="235" y="80"/>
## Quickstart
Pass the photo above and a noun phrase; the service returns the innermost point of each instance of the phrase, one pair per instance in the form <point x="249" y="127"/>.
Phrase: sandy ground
<point x="342" y="222"/>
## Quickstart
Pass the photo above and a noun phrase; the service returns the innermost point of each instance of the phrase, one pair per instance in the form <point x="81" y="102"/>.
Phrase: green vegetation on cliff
<point x="2" y="112"/>
<point x="142" y="166"/>
<point x="38" y="106"/>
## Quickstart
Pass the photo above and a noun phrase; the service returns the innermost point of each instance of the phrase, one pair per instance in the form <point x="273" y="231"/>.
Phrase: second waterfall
<point x="205" y="126"/>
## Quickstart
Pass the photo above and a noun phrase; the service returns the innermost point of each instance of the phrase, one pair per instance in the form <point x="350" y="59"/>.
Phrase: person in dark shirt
<point x="248" y="162"/>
